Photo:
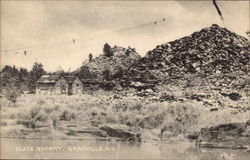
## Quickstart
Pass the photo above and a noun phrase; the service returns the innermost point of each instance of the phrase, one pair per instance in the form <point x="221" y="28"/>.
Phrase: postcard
<point x="125" y="80"/>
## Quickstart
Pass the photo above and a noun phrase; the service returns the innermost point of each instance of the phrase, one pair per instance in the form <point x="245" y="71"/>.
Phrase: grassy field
<point x="140" y="114"/>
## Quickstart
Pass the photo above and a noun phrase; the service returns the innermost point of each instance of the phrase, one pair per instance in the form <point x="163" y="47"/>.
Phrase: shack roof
<point x="48" y="78"/>
<point x="70" y="79"/>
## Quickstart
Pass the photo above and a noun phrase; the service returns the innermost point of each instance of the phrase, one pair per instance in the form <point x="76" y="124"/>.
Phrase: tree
<point x="23" y="75"/>
<point x="9" y="77"/>
<point x="10" y="70"/>
<point x="36" y="72"/>
<point x="13" y="82"/>
<point x="90" y="57"/>
<point x="107" y="50"/>
<point x="7" y="69"/>
<point x="85" y="73"/>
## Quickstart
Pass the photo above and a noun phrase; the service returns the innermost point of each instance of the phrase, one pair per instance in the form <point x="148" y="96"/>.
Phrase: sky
<point x="61" y="34"/>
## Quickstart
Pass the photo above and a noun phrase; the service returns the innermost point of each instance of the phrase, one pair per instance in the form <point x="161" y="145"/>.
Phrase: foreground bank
<point x="109" y="116"/>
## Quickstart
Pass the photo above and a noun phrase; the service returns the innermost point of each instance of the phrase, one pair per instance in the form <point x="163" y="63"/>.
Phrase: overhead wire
<point x="34" y="47"/>
<point x="47" y="46"/>
<point x="156" y="22"/>
<point x="26" y="50"/>
<point x="162" y="20"/>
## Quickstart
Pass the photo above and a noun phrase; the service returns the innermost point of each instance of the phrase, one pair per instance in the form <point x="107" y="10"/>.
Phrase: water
<point x="93" y="149"/>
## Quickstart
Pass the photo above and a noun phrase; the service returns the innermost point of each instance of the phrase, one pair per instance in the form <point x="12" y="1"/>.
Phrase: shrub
<point x="131" y="111"/>
<point x="162" y="115"/>
<point x="67" y="115"/>
<point x="90" y="57"/>
<point x="12" y="93"/>
<point x="85" y="73"/>
<point x="107" y="50"/>
<point x="179" y="117"/>
<point x="44" y="112"/>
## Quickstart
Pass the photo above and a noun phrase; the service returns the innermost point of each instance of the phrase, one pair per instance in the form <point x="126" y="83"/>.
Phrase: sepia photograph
<point x="132" y="79"/>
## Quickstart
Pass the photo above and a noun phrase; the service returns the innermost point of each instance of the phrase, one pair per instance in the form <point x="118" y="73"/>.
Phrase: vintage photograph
<point x="130" y="79"/>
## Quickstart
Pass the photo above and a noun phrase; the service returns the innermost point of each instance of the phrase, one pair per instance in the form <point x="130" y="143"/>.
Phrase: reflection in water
<point x="92" y="149"/>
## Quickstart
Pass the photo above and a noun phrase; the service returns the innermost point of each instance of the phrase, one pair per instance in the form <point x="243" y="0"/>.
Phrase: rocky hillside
<point x="214" y="53"/>
<point x="109" y="66"/>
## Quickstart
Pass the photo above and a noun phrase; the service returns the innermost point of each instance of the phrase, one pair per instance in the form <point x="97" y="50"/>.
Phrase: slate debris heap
<point x="214" y="56"/>
<point x="214" y="53"/>
<point x="105" y="68"/>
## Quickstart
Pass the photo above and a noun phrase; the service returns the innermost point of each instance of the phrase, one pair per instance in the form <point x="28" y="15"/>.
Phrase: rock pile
<point x="212" y="51"/>
<point x="104" y="69"/>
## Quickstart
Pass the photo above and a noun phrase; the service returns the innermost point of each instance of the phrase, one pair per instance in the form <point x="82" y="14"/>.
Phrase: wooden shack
<point x="75" y="85"/>
<point x="57" y="85"/>
<point x="51" y="84"/>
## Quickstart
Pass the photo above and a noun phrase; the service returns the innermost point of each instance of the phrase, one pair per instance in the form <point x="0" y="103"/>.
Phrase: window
<point x="77" y="85"/>
<point x="63" y="89"/>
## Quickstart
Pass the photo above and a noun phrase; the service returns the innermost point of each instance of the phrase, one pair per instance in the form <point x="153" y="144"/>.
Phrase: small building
<point x="75" y="85"/>
<point x="57" y="85"/>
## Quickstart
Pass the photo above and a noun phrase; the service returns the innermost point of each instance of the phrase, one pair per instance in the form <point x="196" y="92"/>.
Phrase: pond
<point x="96" y="149"/>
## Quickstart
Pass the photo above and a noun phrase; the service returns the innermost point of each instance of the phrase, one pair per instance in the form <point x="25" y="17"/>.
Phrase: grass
<point x="178" y="118"/>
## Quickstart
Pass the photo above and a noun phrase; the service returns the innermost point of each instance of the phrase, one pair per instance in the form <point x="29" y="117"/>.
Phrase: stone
<point x="2" y="123"/>
<point x="232" y="135"/>
<point x="234" y="96"/>
<point x="121" y="132"/>
<point x="92" y="131"/>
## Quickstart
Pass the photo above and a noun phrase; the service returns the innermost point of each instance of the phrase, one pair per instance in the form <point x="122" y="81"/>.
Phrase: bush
<point x="176" y="117"/>
<point x="44" y="112"/>
<point x="85" y="73"/>
<point x="131" y="111"/>
<point x="107" y="50"/>
<point x="12" y="93"/>
<point x="67" y="115"/>
<point x="179" y="117"/>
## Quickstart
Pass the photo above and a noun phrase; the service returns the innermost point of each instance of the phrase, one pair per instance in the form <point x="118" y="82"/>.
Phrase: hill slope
<point x="106" y="67"/>
<point x="214" y="53"/>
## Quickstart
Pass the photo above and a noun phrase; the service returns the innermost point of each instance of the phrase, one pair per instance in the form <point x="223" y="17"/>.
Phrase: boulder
<point x="121" y="132"/>
<point x="234" y="96"/>
<point x="92" y="131"/>
<point x="167" y="97"/>
<point x="232" y="135"/>
<point x="2" y="123"/>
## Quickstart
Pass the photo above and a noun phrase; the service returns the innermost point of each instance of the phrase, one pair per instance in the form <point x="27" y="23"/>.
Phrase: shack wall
<point x="44" y="88"/>
<point x="60" y="87"/>
<point x="77" y="86"/>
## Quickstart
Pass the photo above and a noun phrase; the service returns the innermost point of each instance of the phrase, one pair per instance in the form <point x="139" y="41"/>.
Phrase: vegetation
<point x="163" y="93"/>
<point x="97" y="110"/>
<point x="85" y="73"/>
<point x="90" y="57"/>
<point x="107" y="50"/>
<point x="16" y="81"/>
<point x="175" y="118"/>
<point x="36" y="72"/>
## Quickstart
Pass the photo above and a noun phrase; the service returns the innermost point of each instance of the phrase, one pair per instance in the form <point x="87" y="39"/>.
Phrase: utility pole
<point x="219" y="12"/>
